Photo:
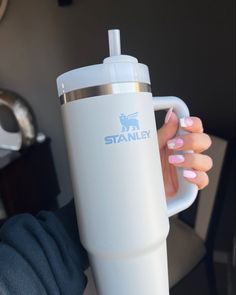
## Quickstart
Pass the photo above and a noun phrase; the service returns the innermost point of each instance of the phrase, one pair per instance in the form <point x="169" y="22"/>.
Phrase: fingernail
<point x="168" y="115"/>
<point x="189" y="174"/>
<point x="185" y="122"/>
<point x="175" y="143"/>
<point x="175" y="159"/>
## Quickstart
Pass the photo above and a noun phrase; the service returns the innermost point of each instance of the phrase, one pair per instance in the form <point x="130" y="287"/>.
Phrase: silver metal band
<point x="113" y="88"/>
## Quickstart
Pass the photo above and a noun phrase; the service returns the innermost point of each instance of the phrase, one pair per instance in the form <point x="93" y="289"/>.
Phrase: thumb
<point x="169" y="129"/>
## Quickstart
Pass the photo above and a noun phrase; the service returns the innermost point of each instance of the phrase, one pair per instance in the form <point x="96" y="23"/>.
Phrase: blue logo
<point x="130" y="130"/>
<point x="129" y="121"/>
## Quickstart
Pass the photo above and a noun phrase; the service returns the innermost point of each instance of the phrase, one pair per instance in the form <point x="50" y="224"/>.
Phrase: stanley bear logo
<point x="128" y="122"/>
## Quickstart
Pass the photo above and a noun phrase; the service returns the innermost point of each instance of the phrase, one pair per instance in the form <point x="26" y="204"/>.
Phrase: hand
<point x="195" y="164"/>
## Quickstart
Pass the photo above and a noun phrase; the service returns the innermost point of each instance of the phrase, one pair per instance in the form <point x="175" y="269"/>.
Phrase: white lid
<point x="115" y="69"/>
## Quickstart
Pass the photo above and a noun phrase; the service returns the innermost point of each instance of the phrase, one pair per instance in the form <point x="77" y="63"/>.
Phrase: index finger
<point x="192" y="124"/>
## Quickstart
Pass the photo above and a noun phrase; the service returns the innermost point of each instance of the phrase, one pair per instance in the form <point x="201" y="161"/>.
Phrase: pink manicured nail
<point x="175" y="143"/>
<point x="186" y="122"/>
<point x="189" y="174"/>
<point x="168" y="115"/>
<point x="175" y="159"/>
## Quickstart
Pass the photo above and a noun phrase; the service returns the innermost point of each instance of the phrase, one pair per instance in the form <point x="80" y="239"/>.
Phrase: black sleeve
<point x="42" y="255"/>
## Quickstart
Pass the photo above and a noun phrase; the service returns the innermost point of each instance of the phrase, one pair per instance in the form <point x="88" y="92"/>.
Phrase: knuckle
<point x="199" y="162"/>
<point x="210" y="165"/>
<point x="208" y="140"/>
<point x="204" y="182"/>
<point x="207" y="180"/>
<point x="200" y="125"/>
<point x="197" y="119"/>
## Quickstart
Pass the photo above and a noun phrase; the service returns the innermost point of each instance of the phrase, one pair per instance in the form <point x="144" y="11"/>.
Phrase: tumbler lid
<point x="117" y="68"/>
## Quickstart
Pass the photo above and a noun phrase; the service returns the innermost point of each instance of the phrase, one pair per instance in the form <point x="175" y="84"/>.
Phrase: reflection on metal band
<point x="114" y="88"/>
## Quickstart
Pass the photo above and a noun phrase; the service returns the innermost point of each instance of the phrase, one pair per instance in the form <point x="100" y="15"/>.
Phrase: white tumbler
<point x="108" y="115"/>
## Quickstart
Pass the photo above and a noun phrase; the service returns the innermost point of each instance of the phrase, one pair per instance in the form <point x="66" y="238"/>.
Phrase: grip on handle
<point x="187" y="192"/>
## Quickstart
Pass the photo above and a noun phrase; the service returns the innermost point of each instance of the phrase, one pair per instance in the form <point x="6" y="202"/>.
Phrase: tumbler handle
<point x="187" y="192"/>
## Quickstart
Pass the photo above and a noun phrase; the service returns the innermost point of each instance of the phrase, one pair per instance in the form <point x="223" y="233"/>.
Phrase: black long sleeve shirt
<point x="42" y="255"/>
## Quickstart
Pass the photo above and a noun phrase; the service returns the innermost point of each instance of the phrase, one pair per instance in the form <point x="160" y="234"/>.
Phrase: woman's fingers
<point x="193" y="161"/>
<point x="195" y="164"/>
<point x="197" y="142"/>
<point x="199" y="178"/>
<point x="191" y="124"/>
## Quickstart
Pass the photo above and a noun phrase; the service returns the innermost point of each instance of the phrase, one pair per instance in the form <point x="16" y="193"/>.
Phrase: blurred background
<point x="189" y="47"/>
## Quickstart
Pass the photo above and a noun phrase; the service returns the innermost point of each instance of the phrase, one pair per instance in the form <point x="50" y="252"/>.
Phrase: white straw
<point x="114" y="42"/>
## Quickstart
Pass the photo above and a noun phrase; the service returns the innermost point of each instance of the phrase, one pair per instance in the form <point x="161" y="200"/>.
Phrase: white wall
<point x="189" y="49"/>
